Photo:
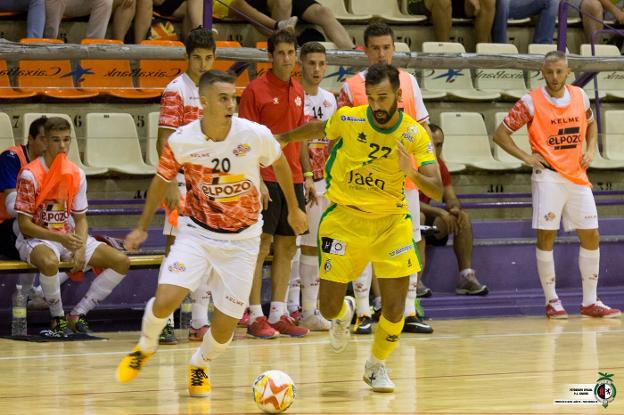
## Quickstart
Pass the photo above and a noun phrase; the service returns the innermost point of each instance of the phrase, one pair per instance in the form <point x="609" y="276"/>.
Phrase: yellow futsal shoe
<point x="131" y="364"/>
<point x="198" y="381"/>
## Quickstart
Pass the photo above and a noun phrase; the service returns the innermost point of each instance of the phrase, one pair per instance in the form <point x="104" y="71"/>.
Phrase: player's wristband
<point x="308" y="174"/>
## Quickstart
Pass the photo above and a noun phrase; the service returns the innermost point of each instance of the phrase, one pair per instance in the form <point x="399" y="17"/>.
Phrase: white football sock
<point x="62" y="277"/>
<point x="52" y="294"/>
<point x="209" y="350"/>
<point x="200" y="298"/>
<point x="151" y="328"/>
<point x="361" y="290"/>
<point x="310" y="280"/>
<point x="589" y="265"/>
<point x="278" y="309"/>
<point x="255" y="311"/>
<point x="546" y="272"/>
<point x="100" y="288"/>
<point x="294" y="287"/>
<point x="410" y="307"/>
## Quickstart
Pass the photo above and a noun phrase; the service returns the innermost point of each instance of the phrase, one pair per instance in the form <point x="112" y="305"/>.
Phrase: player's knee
<point x="464" y="220"/>
<point x="48" y="266"/>
<point x="122" y="264"/>
<point x="393" y="312"/>
<point x="592" y="7"/>
<point x="265" y="249"/>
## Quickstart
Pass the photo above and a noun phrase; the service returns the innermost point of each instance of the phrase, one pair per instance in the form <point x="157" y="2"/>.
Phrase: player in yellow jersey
<point x="367" y="220"/>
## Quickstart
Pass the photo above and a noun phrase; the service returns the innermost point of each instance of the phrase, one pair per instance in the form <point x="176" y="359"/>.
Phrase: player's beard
<point x="382" y="117"/>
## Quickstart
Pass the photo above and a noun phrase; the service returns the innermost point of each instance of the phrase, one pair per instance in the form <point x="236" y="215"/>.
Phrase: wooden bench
<point x="136" y="262"/>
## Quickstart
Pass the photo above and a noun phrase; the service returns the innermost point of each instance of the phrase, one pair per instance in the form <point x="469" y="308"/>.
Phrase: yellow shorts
<point x="348" y="239"/>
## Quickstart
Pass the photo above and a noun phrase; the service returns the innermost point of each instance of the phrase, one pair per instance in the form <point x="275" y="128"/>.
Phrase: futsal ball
<point x="273" y="391"/>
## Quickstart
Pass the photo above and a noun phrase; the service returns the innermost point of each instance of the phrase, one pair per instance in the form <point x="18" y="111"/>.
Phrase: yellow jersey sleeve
<point x="418" y="143"/>
<point x="336" y="126"/>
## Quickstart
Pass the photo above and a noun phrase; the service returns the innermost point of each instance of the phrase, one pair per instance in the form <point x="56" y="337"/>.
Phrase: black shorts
<point x="432" y="239"/>
<point x="298" y="7"/>
<point x="168" y="7"/>
<point x="7" y="240"/>
<point x="276" y="216"/>
<point x="459" y="9"/>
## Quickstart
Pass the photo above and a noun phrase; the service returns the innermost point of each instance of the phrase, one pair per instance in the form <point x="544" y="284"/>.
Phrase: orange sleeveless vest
<point x="358" y="92"/>
<point x="19" y="151"/>
<point x="60" y="182"/>
<point x="558" y="134"/>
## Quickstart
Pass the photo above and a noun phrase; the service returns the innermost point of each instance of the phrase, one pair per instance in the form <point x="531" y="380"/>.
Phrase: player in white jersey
<point x="179" y="106"/>
<point x="219" y="237"/>
<point x="319" y="104"/>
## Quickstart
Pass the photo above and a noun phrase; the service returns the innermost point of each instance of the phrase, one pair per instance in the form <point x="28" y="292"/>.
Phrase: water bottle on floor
<point x="18" y="324"/>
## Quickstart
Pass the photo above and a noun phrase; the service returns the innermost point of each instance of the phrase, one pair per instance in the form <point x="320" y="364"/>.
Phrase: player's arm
<point x="426" y="177"/>
<point x="304" y="132"/>
<point x="81" y="230"/>
<point x="297" y="218"/>
<point x="171" y="199"/>
<point x="308" y="185"/>
<point x="590" y="150"/>
<point x="502" y="137"/>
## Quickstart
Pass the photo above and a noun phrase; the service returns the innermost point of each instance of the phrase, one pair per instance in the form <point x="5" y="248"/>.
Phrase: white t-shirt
<point x="223" y="177"/>
<point x="179" y="104"/>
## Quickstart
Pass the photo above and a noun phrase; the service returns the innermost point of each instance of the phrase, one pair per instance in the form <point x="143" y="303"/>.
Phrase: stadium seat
<point x="242" y="80"/>
<point x="507" y="82"/>
<point x="161" y="71"/>
<point x="152" y="137"/>
<point x="535" y="78"/>
<point x="74" y="153"/>
<point x="601" y="163"/>
<point x="387" y="10"/>
<point x="52" y="78"/>
<point x="613" y="136"/>
<point x="456" y="83"/>
<point x="520" y="137"/>
<point x="342" y="14"/>
<point x="426" y="94"/>
<point x="112" y="142"/>
<point x="6" y="132"/>
<point x="6" y="89"/>
<point x="466" y="142"/>
<point x="112" y="77"/>
<point x="610" y="83"/>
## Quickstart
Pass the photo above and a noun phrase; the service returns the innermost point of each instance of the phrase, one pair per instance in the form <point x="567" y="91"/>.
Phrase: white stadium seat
<point x="152" y="137"/>
<point x="74" y="153"/>
<point x="112" y="142"/>
<point x="6" y="132"/>
<point x="507" y="82"/>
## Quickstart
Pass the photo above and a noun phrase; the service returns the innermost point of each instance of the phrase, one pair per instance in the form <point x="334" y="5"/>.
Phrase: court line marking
<point x="426" y="338"/>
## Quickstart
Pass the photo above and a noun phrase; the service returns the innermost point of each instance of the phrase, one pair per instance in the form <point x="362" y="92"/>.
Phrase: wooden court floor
<point x="476" y="366"/>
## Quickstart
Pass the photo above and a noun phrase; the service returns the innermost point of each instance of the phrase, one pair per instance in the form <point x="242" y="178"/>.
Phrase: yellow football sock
<point x="386" y="338"/>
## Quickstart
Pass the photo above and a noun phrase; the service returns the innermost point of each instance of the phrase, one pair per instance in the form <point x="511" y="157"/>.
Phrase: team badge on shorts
<point x="177" y="267"/>
<point x="333" y="246"/>
<point x="327" y="266"/>
<point x="550" y="216"/>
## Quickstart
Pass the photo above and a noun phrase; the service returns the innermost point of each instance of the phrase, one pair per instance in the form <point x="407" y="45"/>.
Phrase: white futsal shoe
<point x="376" y="376"/>
<point x="340" y="330"/>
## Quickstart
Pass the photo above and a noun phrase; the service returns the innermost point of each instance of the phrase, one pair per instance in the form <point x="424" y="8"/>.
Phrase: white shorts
<point x="314" y="215"/>
<point x="413" y="205"/>
<point x="168" y="229"/>
<point x="228" y="267"/>
<point x="26" y="246"/>
<point x="556" y="198"/>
